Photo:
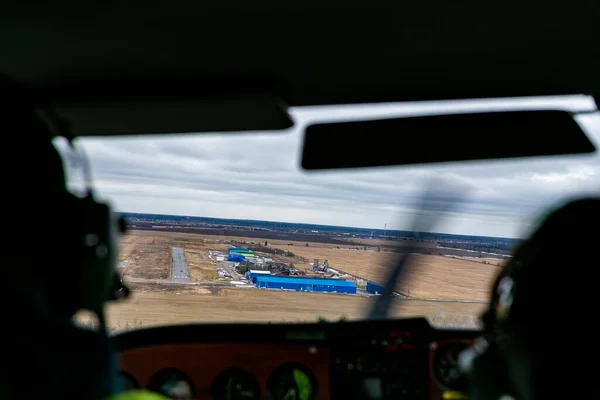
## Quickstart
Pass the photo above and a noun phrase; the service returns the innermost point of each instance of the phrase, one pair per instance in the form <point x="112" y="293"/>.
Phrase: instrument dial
<point x="173" y="384"/>
<point x="235" y="384"/>
<point x="446" y="370"/>
<point x="291" y="382"/>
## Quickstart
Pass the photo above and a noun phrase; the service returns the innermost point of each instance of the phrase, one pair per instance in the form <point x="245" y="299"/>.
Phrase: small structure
<point x="217" y="255"/>
<point x="320" y="267"/>
<point x="361" y="284"/>
<point x="304" y="284"/>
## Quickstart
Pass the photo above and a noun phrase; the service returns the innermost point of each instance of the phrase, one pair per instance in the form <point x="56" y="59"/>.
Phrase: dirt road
<point x="228" y="267"/>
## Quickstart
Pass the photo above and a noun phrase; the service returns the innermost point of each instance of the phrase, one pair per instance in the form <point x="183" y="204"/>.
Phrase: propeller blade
<point x="440" y="198"/>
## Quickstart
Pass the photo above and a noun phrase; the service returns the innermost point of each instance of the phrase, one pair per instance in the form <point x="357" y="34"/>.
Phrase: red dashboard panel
<point x="203" y="363"/>
<point x="405" y="359"/>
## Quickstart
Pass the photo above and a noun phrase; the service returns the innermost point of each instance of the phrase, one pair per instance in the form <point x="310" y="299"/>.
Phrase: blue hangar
<point x="304" y="284"/>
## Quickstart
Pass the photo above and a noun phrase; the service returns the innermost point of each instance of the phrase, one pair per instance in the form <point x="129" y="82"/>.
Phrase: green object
<point x="137" y="394"/>
<point x="303" y="383"/>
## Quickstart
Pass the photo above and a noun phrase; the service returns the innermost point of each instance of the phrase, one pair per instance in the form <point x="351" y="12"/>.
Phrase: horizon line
<point x="324" y="225"/>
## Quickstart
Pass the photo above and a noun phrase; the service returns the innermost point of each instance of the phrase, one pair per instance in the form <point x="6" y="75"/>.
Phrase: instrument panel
<point x="228" y="370"/>
<point x="400" y="359"/>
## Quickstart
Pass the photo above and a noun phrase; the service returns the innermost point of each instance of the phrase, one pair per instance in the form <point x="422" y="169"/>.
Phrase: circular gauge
<point x="446" y="370"/>
<point x="172" y="383"/>
<point x="291" y="382"/>
<point x="235" y="384"/>
<point x="128" y="382"/>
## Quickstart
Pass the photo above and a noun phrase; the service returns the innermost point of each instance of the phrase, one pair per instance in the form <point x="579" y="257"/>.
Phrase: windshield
<point x="229" y="228"/>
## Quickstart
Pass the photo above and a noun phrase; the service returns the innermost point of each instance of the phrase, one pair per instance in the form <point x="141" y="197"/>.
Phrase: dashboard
<point x="401" y="359"/>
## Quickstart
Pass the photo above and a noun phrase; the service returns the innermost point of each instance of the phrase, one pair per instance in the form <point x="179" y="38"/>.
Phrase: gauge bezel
<point x="235" y="370"/>
<point x="442" y="348"/>
<point x="291" y="365"/>
<point x="162" y="375"/>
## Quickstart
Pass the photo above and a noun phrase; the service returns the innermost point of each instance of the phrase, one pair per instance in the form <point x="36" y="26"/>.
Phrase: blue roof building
<point x="236" y="257"/>
<point x="304" y="284"/>
<point x="374" y="288"/>
<point x="239" y="250"/>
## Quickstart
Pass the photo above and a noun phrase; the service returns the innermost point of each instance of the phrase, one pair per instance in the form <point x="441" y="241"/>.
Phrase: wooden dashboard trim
<point x="203" y="362"/>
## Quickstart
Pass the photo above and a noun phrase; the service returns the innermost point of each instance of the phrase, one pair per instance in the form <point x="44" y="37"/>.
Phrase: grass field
<point x="180" y="305"/>
<point x="201" y="268"/>
<point x="147" y="263"/>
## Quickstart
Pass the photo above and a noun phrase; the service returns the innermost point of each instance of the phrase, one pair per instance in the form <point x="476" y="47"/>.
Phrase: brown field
<point x="148" y="263"/>
<point x="483" y="260"/>
<point x="187" y="305"/>
<point x="431" y="277"/>
<point x="146" y="256"/>
<point x="216" y="242"/>
<point x="383" y="242"/>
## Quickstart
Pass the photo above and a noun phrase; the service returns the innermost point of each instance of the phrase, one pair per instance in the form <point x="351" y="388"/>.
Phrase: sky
<point x="257" y="175"/>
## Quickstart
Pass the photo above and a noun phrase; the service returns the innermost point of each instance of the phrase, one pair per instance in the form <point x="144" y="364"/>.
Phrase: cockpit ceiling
<point x="309" y="54"/>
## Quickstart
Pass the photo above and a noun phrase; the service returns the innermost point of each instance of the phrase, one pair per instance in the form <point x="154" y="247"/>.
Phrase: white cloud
<point x="257" y="176"/>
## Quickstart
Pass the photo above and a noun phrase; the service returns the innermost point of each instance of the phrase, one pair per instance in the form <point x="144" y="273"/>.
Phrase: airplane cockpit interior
<point x="252" y="201"/>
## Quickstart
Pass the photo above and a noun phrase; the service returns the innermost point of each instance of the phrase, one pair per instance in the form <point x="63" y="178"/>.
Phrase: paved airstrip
<point x="179" y="269"/>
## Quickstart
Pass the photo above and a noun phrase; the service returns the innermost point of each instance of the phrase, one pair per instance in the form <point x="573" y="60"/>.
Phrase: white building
<point x="259" y="272"/>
